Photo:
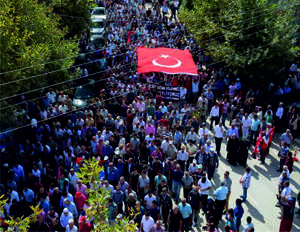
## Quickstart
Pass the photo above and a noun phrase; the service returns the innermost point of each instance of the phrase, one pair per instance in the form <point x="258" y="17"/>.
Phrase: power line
<point x="130" y="64"/>
<point x="156" y="22"/>
<point x="105" y="71"/>
<point x="43" y="74"/>
<point x="127" y="93"/>
<point x="10" y="106"/>
<point x="111" y="98"/>
<point x="110" y="56"/>
<point x="44" y="87"/>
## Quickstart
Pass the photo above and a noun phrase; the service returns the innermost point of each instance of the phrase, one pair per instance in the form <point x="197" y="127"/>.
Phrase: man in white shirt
<point x="214" y="115"/>
<point x="205" y="186"/>
<point x="191" y="135"/>
<point x="219" y="132"/>
<point x="65" y="217"/>
<point x="165" y="145"/>
<point x="148" y="200"/>
<point x="246" y="124"/>
<point x="182" y="157"/>
<point x="146" y="223"/>
<point x="278" y="115"/>
<point x="287" y="191"/>
<point x="183" y="92"/>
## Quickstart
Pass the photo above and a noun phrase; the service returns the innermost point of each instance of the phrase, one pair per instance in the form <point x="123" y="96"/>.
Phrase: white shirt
<point x="204" y="186"/>
<point x="149" y="200"/>
<point x="219" y="131"/>
<point x="74" y="229"/>
<point x="164" y="146"/>
<point x="203" y="131"/>
<point x="214" y="112"/>
<point x="182" y="156"/>
<point x="279" y="112"/>
<point x="182" y="92"/>
<point x="286" y="192"/>
<point x="147" y="224"/>
<point x="246" y="122"/>
<point x="248" y="226"/>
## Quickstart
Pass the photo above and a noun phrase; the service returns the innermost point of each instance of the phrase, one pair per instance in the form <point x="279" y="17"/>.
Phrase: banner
<point x="166" y="60"/>
<point x="169" y="92"/>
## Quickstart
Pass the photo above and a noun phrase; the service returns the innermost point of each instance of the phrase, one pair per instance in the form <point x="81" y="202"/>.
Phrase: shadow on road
<point x="254" y="212"/>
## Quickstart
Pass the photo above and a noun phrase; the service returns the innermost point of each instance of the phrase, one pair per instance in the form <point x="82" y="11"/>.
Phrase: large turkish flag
<point x="165" y="60"/>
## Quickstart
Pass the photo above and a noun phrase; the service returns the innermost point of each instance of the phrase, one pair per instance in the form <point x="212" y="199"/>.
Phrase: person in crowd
<point x="245" y="182"/>
<point x="144" y="139"/>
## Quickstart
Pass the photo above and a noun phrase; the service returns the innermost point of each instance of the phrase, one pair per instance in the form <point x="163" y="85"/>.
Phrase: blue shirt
<point x="177" y="176"/>
<point x="186" y="210"/>
<point x="117" y="197"/>
<point x="238" y="212"/>
<point x="112" y="174"/>
<point x="108" y="150"/>
<point x="29" y="195"/>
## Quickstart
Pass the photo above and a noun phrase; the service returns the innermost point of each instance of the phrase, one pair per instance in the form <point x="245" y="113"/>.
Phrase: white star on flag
<point x="164" y="56"/>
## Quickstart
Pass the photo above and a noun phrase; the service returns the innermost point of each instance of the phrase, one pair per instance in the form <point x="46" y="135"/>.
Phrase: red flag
<point x="166" y="60"/>
<point x="271" y="133"/>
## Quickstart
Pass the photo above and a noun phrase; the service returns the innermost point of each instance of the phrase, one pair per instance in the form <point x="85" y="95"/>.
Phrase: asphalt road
<point x="261" y="198"/>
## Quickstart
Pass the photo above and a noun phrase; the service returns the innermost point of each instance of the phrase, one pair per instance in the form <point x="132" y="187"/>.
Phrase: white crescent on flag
<point x="178" y="64"/>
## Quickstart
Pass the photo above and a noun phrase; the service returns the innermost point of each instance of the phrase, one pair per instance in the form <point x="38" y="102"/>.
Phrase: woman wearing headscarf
<point x="232" y="149"/>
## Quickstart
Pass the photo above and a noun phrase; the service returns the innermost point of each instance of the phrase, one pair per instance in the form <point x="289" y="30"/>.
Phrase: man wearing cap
<point x="65" y="217"/>
<point x="212" y="163"/>
<point x="112" y="174"/>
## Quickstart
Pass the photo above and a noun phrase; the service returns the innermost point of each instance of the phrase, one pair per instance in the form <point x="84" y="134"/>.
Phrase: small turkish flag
<point x="165" y="60"/>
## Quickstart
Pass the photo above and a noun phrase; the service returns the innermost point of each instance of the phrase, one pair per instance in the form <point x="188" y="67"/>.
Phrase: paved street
<point x="261" y="200"/>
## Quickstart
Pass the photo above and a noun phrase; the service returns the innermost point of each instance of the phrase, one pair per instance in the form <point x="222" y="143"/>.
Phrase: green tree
<point x="21" y="224"/>
<point x="97" y="201"/>
<point x="250" y="37"/>
<point x="75" y="15"/>
<point x="30" y="37"/>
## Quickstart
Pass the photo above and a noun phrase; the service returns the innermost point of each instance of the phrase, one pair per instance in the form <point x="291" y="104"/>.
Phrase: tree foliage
<point x="30" y="37"/>
<point x="75" y="15"/>
<point x="21" y="224"/>
<point x="250" y="37"/>
<point x="98" y="200"/>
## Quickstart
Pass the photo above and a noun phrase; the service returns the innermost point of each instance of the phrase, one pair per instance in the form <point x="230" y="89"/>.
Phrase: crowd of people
<point x="159" y="156"/>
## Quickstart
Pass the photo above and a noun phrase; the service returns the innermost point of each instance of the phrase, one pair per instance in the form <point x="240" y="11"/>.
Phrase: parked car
<point x="98" y="26"/>
<point x="97" y="41"/>
<point x="99" y="12"/>
<point x="83" y="93"/>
